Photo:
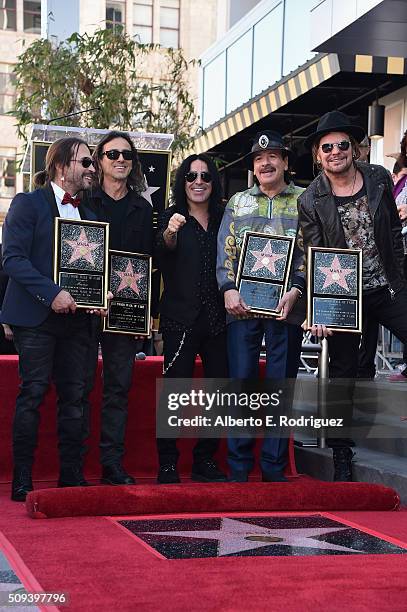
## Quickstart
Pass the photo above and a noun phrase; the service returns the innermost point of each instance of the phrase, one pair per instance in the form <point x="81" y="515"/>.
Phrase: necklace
<point x="353" y="187"/>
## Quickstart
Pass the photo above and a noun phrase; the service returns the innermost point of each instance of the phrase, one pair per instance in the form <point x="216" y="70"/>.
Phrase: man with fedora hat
<point x="350" y="205"/>
<point x="269" y="206"/>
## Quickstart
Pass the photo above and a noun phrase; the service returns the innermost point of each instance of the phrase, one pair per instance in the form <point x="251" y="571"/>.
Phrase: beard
<point x="339" y="170"/>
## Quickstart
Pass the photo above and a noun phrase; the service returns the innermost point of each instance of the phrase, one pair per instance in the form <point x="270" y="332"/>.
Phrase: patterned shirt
<point x="253" y="210"/>
<point x="208" y="292"/>
<point x="357" y="225"/>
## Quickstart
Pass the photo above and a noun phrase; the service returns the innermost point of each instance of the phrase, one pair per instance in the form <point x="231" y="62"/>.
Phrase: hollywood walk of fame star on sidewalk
<point x="266" y="259"/>
<point x="235" y="536"/>
<point x="82" y="248"/>
<point x="129" y="279"/>
<point x="335" y="274"/>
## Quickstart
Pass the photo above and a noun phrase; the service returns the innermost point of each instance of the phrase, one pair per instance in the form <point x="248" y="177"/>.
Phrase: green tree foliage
<point x="109" y="70"/>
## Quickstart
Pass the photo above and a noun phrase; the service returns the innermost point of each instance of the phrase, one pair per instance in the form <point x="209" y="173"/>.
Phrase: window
<point x="7" y="94"/>
<point x="143" y="21"/>
<point x="7" y="14"/>
<point x="32" y="17"/>
<point x="169" y="23"/>
<point x="115" y="16"/>
<point x="7" y="176"/>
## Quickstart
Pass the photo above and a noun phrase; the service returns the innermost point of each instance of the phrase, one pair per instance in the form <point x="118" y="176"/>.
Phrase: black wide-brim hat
<point x="335" y="121"/>
<point x="267" y="140"/>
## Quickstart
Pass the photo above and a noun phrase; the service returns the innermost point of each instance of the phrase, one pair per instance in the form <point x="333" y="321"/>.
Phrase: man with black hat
<point x="269" y="206"/>
<point x="350" y="205"/>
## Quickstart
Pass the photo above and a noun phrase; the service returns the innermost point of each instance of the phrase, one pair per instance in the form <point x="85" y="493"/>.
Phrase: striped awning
<point x="310" y="75"/>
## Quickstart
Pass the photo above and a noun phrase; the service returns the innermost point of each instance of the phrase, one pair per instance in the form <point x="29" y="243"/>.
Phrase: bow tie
<point x="68" y="199"/>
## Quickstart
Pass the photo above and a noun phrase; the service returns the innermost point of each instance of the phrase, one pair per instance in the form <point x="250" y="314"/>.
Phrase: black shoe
<point x="273" y="476"/>
<point x="239" y="476"/>
<point x="207" y="471"/>
<point x="343" y="464"/>
<point x="168" y="474"/>
<point x="22" y="483"/>
<point x="116" y="475"/>
<point x="72" y="477"/>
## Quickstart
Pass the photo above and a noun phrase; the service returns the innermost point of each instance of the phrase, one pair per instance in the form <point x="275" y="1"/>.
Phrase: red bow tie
<point x="68" y="199"/>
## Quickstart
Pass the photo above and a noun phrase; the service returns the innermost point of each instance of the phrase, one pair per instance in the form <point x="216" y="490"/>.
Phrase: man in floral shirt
<point x="271" y="207"/>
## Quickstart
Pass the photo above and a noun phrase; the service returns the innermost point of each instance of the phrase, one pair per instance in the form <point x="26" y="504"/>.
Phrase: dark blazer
<point x="28" y="238"/>
<point x="181" y="270"/>
<point x="321" y="225"/>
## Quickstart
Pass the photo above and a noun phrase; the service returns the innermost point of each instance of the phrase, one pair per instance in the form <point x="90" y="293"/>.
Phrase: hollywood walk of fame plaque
<point x="335" y="288"/>
<point x="130" y="283"/>
<point x="80" y="260"/>
<point x="263" y="271"/>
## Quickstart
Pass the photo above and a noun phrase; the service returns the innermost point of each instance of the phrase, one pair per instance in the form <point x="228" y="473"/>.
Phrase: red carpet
<point x="189" y="498"/>
<point x="104" y="568"/>
<point x="141" y="456"/>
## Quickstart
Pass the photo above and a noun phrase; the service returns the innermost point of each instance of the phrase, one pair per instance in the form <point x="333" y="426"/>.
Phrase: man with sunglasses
<point x="350" y="205"/>
<point x="50" y="335"/>
<point x="117" y="200"/>
<point x="192" y="316"/>
<point x="270" y="206"/>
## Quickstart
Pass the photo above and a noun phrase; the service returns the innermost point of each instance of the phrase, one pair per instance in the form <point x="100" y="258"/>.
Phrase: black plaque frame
<point x="343" y="305"/>
<point x="81" y="276"/>
<point x="248" y="281"/>
<point x="127" y="307"/>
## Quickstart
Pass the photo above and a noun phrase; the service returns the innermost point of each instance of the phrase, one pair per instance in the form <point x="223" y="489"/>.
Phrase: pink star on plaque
<point x="266" y="259"/>
<point x="82" y="248"/>
<point x="335" y="274"/>
<point x="129" y="279"/>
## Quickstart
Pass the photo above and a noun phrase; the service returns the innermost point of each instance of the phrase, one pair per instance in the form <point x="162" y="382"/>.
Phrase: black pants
<point x="380" y="308"/>
<point x="57" y="350"/>
<point x="6" y="346"/>
<point x="212" y="350"/>
<point x="118" y="352"/>
<point x="368" y="345"/>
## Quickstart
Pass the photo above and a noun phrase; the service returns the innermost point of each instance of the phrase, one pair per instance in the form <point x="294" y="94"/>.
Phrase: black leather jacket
<point x="321" y="225"/>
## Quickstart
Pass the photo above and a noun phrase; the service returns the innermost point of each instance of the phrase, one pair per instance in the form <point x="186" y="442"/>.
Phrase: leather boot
<point x="22" y="483"/>
<point x="343" y="464"/>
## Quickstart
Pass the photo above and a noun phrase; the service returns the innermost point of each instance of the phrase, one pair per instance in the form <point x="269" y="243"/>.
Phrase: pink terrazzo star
<point x="82" y="248"/>
<point x="335" y="274"/>
<point x="129" y="279"/>
<point x="266" y="259"/>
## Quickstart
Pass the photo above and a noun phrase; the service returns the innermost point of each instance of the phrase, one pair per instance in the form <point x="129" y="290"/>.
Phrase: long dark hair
<point x="60" y="153"/>
<point x="135" y="180"/>
<point x="178" y="190"/>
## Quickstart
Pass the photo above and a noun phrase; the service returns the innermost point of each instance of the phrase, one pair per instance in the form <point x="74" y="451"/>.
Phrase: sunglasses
<point x="114" y="154"/>
<point x="328" y="147"/>
<point x="86" y="162"/>
<point x="190" y="177"/>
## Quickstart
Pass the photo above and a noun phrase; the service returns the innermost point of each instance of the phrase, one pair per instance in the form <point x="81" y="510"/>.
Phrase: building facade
<point x="190" y="24"/>
<point x="285" y="63"/>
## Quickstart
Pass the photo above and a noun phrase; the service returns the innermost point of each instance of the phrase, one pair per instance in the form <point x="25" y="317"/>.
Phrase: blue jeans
<point x="283" y="348"/>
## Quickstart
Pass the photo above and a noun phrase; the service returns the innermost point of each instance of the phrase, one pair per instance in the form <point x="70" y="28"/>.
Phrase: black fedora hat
<point x="267" y="140"/>
<point x="335" y="121"/>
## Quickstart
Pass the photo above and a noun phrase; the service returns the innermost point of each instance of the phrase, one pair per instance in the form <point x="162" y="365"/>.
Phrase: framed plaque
<point x="263" y="271"/>
<point x="80" y="260"/>
<point x="335" y="288"/>
<point x="130" y="283"/>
